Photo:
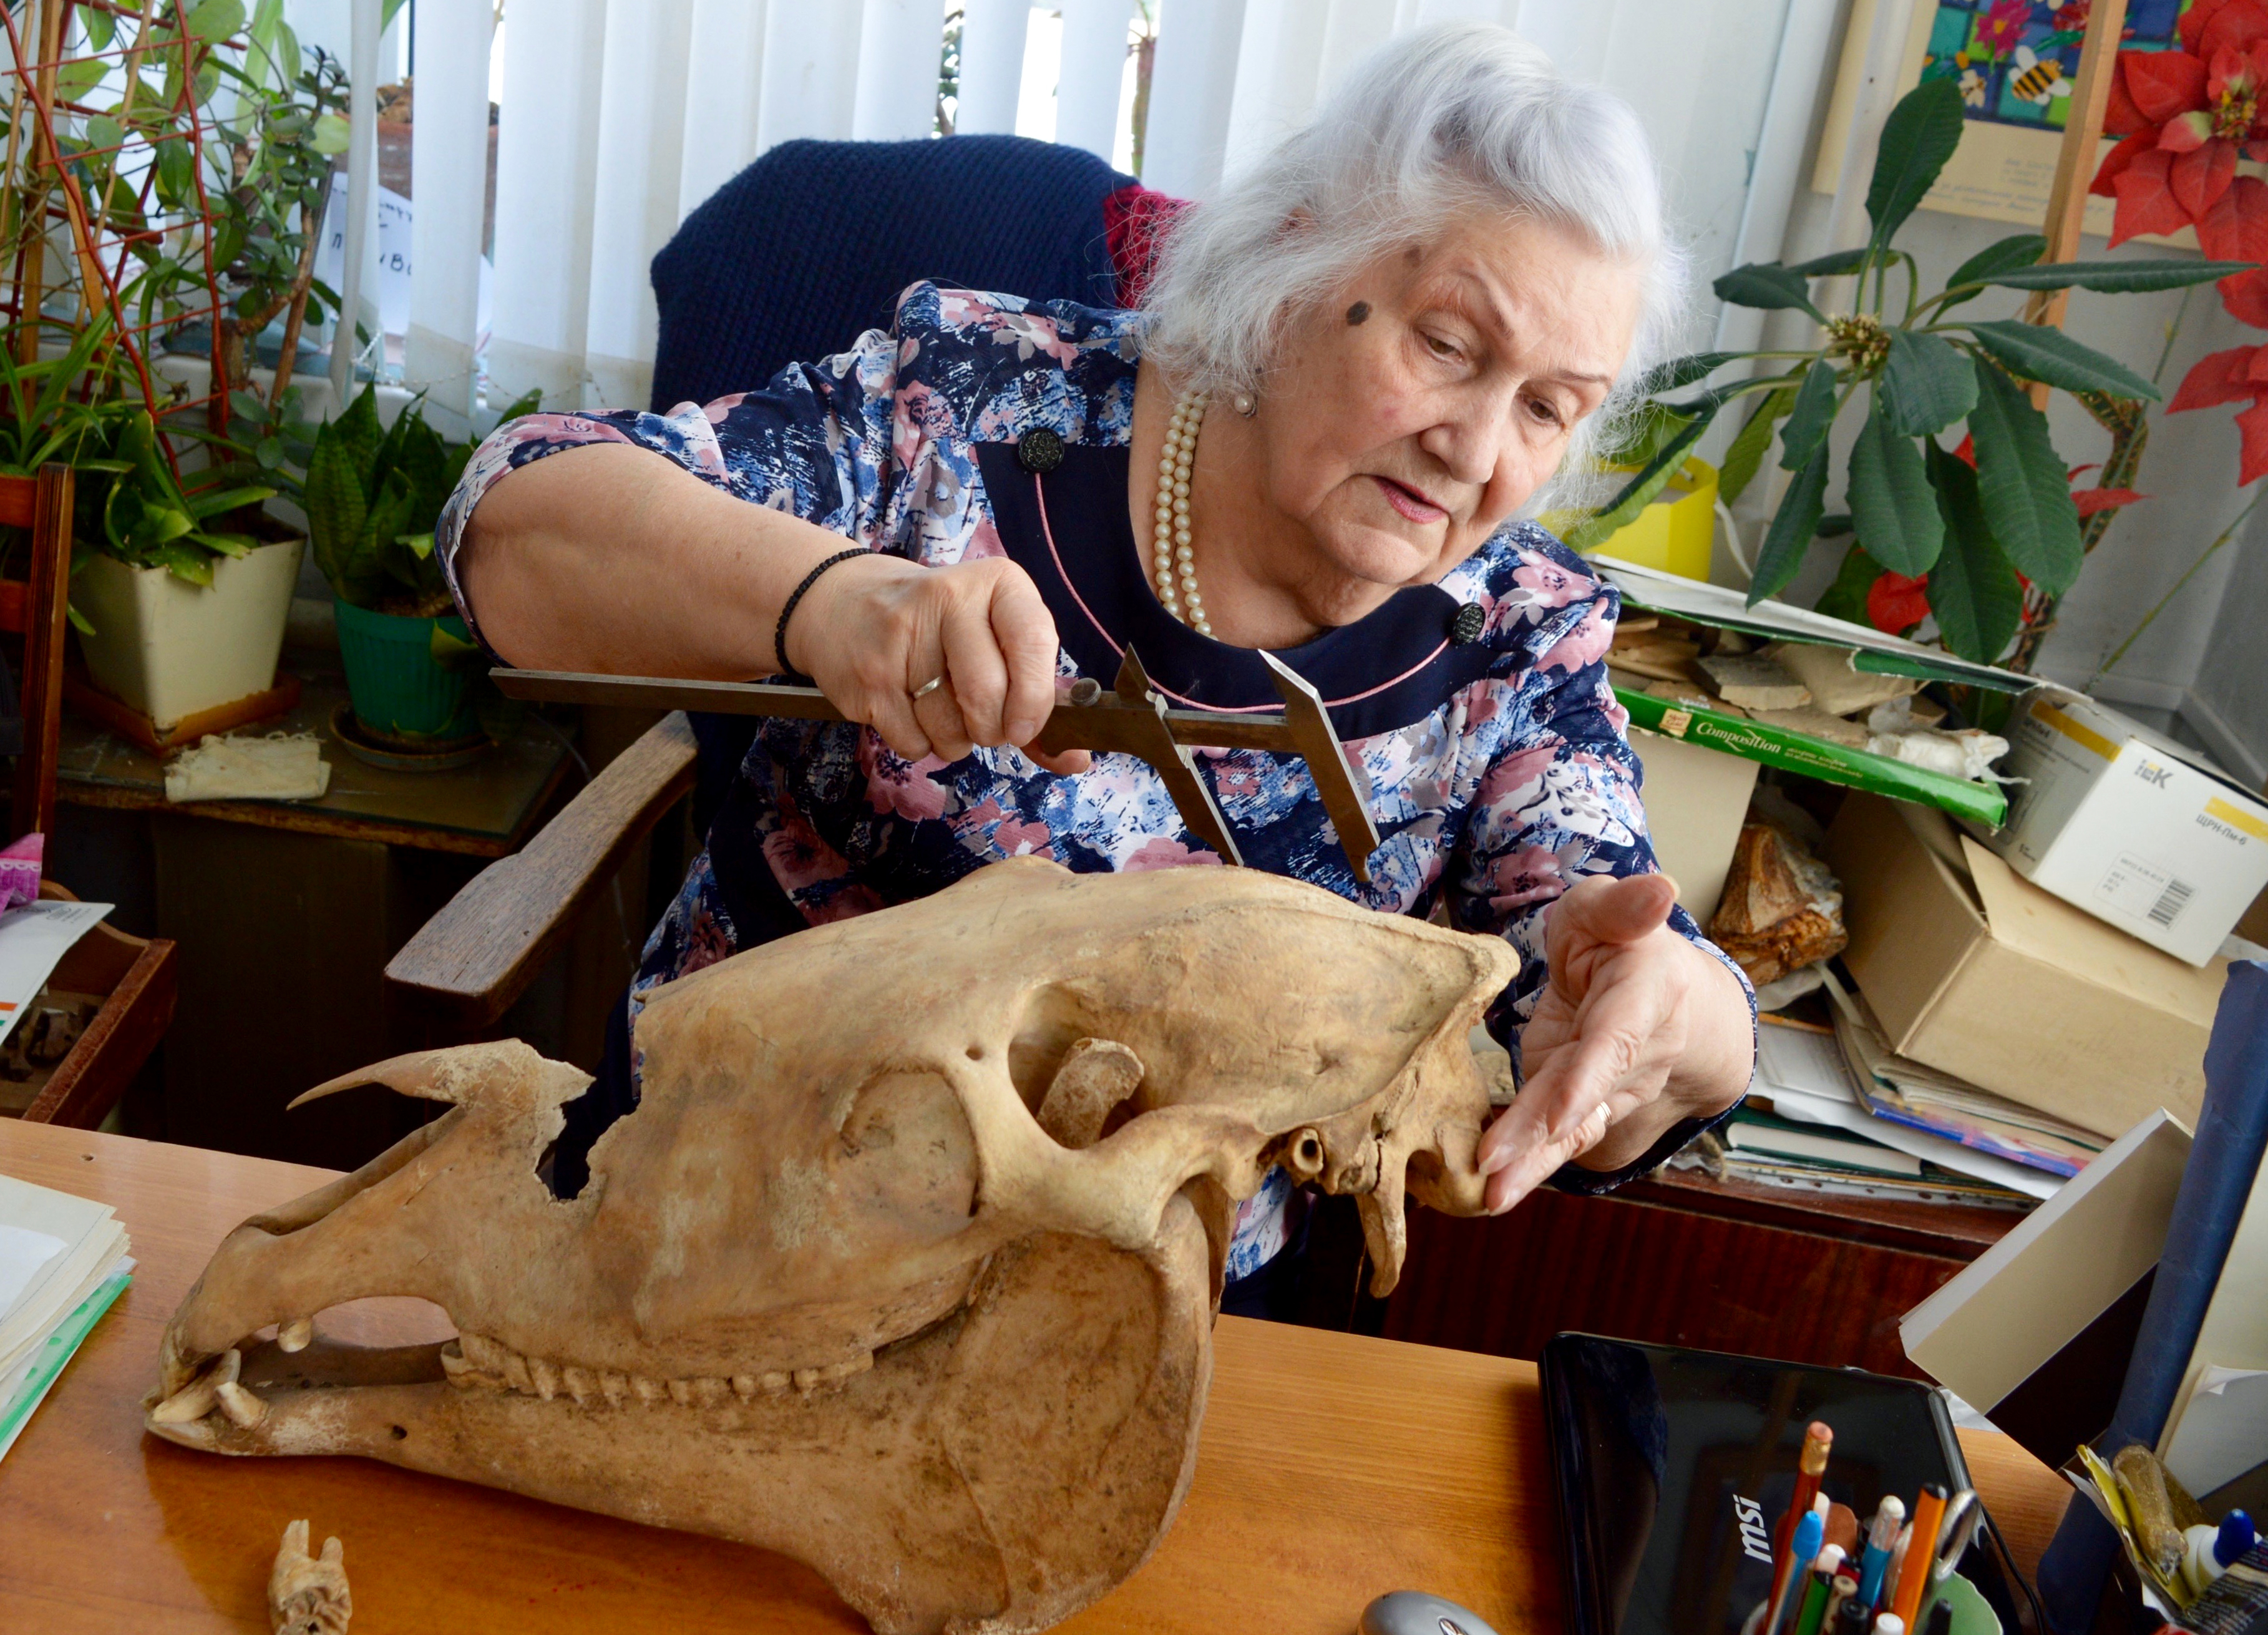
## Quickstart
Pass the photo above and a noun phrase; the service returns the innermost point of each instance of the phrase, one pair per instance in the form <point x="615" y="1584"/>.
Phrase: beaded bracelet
<point x="779" y="631"/>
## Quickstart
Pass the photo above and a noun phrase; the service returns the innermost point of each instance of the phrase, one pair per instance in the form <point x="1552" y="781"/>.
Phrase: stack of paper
<point x="1901" y="1091"/>
<point x="62" y="1261"/>
<point x="1907" y="1091"/>
<point x="33" y="939"/>
<point x="1805" y="1075"/>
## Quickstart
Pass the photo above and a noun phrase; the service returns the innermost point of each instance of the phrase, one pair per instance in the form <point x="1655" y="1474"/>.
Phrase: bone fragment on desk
<point x="1755" y="682"/>
<point x="307" y="1594"/>
<point x="1782" y="909"/>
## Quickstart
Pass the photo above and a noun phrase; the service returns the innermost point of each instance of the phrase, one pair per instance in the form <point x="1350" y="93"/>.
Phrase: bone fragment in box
<point x="1835" y="685"/>
<point x="1755" y="682"/>
<point x="1816" y="722"/>
<point x="1664" y="658"/>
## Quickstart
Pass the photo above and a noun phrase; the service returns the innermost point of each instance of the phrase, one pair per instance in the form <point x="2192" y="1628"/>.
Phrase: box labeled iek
<point x="2136" y="830"/>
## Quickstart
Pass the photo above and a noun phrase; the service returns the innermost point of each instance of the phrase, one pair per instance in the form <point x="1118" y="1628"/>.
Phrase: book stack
<point x="62" y="1261"/>
<point x="1835" y="1110"/>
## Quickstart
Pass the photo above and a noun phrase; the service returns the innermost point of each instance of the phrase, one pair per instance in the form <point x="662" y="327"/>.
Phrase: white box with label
<point x="2134" y="828"/>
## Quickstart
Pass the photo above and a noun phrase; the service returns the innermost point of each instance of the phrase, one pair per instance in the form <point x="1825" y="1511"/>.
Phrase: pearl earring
<point x="1244" y="403"/>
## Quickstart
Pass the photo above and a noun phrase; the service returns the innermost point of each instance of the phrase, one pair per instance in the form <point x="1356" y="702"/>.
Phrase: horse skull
<point x="905" y="1264"/>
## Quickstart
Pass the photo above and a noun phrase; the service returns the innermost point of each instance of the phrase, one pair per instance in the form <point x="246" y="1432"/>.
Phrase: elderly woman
<point x="1353" y="372"/>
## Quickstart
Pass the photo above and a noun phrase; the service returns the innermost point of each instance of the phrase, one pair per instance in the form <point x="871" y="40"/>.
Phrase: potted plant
<point x="1987" y="533"/>
<point x="374" y="497"/>
<point x="178" y="592"/>
<point x="189" y="146"/>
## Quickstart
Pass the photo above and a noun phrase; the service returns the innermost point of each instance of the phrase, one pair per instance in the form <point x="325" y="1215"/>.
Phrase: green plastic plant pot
<point x="400" y="689"/>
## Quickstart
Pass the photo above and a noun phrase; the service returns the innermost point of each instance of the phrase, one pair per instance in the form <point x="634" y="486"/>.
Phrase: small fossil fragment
<point x="307" y="1594"/>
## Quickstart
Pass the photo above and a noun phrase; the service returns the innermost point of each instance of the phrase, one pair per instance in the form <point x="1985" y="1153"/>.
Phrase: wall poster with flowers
<point x="2015" y="61"/>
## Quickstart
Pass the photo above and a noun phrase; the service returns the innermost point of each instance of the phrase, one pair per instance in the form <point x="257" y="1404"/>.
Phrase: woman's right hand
<point x="872" y="632"/>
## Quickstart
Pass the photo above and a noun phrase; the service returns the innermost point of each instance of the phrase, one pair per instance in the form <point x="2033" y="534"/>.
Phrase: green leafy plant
<point x="234" y="219"/>
<point x="1978" y="531"/>
<point x="374" y="497"/>
<point x="81" y="408"/>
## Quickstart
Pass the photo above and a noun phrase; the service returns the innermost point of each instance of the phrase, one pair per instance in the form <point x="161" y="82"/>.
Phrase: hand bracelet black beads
<point x="787" y="608"/>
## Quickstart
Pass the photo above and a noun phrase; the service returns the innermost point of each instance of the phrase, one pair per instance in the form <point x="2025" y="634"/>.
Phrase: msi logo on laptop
<point x="1756" y="1541"/>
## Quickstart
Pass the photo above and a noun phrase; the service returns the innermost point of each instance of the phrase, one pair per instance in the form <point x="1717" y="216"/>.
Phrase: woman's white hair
<point x="1436" y="123"/>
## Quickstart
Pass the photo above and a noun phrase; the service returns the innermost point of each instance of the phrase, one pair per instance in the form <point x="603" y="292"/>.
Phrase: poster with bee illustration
<point x="2015" y="61"/>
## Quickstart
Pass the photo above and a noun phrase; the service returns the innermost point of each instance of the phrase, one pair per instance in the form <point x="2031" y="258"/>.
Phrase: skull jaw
<point x="995" y="1472"/>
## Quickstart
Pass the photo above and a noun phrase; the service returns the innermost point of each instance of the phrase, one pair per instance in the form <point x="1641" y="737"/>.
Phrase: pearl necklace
<point x="1170" y="548"/>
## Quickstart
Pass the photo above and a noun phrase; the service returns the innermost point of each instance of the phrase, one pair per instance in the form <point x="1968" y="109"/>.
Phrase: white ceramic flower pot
<point x="171" y="649"/>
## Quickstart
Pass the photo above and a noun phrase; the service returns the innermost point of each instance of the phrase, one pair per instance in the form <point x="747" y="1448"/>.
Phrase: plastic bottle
<point x="2212" y="1550"/>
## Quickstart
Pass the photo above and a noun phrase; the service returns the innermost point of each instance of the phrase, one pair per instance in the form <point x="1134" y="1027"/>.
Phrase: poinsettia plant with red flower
<point x="2186" y="116"/>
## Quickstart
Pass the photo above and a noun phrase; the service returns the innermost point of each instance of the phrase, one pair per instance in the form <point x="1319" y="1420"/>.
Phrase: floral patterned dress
<point x="1493" y="745"/>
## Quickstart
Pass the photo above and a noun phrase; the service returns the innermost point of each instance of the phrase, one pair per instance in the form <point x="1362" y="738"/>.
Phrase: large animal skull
<point x="905" y="1264"/>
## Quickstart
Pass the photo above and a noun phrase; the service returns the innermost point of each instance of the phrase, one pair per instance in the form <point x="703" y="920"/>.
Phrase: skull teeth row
<point x="474" y="1361"/>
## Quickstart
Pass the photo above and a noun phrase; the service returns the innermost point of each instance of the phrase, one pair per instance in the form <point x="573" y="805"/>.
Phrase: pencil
<point x="1913" y="1575"/>
<point x="1810" y="1465"/>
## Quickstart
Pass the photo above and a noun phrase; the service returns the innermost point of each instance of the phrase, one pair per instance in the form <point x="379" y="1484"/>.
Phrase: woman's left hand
<point x="1638" y="1029"/>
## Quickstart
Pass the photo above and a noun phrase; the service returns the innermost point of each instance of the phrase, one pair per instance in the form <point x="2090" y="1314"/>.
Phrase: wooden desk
<point x="1334" y="1468"/>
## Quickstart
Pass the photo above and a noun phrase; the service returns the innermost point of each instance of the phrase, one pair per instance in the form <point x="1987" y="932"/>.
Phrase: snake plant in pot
<point x="373" y="498"/>
<point x="1988" y="527"/>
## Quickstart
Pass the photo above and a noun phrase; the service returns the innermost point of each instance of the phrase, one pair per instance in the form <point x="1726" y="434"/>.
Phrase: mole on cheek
<point x="1360" y="311"/>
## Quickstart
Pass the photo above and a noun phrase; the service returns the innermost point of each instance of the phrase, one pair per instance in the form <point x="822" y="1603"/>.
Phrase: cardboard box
<point x="2129" y="826"/>
<point x="1695" y="800"/>
<point x="1978" y="973"/>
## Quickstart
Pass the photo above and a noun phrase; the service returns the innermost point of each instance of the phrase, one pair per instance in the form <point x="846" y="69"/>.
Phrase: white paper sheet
<point x="32" y="939"/>
<point x="2223" y="1430"/>
<point x="24" y="1256"/>
<point x="93" y="1237"/>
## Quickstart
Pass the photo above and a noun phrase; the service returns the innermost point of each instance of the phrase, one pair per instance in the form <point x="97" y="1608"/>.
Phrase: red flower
<point x="1895" y="603"/>
<point x="2235" y="229"/>
<point x="2186" y="115"/>
<point x="2232" y="377"/>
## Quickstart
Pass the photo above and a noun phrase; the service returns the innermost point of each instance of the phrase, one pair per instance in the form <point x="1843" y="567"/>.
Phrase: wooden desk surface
<point x="1333" y="1467"/>
<point x="483" y="809"/>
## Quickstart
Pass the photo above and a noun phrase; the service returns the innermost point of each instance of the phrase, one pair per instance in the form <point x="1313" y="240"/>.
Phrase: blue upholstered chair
<point x="787" y="262"/>
<point x="809" y="247"/>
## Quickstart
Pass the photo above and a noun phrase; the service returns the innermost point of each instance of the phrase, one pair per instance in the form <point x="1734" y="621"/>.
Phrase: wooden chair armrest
<point x="468" y="964"/>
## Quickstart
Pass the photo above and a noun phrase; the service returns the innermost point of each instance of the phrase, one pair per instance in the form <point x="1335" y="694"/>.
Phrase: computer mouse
<point x="1413" y="1612"/>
